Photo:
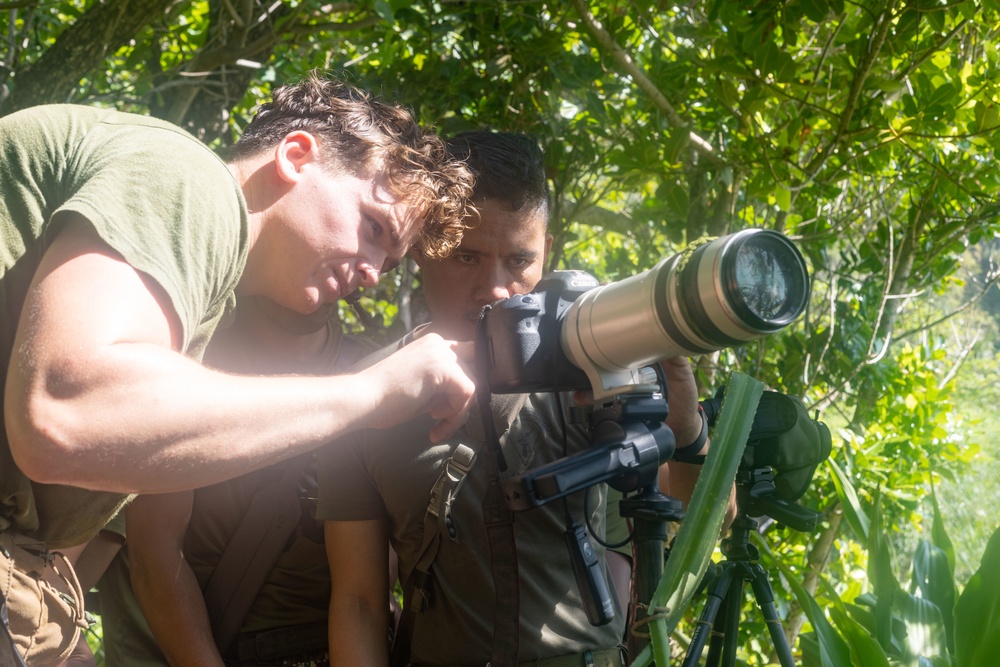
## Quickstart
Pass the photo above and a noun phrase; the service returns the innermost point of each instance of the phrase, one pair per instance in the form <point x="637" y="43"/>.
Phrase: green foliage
<point x="924" y="625"/>
<point x="977" y="615"/>
<point x="867" y="131"/>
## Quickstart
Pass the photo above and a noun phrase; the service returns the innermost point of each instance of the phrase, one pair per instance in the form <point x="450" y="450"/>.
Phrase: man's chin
<point x="466" y="330"/>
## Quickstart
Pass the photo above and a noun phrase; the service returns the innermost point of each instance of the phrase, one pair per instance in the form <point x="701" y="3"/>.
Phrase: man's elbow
<point x="40" y="433"/>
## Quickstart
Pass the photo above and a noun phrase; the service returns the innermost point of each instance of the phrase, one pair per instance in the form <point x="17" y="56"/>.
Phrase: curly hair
<point x="367" y="137"/>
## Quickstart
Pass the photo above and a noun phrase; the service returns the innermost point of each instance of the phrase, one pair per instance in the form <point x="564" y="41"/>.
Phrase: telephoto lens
<point x="723" y="293"/>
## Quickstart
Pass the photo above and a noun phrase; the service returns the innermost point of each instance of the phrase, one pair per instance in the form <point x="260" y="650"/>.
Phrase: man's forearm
<point x="358" y="633"/>
<point x="358" y="555"/>
<point x="176" y="614"/>
<point x="140" y="418"/>
<point x="164" y="584"/>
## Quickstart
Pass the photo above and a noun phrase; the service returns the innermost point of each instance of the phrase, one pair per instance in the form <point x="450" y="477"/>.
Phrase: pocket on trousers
<point x="44" y="600"/>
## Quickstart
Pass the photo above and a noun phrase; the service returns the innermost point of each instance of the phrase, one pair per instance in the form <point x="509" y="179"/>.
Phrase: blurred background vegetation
<point x="866" y="131"/>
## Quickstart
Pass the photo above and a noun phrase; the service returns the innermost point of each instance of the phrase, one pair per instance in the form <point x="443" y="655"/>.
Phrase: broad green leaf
<point x="939" y="536"/>
<point x="699" y="532"/>
<point x="783" y="197"/>
<point x="816" y="10"/>
<point x="925" y="633"/>
<point x="935" y="578"/>
<point x="853" y="512"/>
<point x="942" y="95"/>
<point x="865" y="649"/>
<point x="977" y="613"/>
<point x="833" y="650"/>
<point x="880" y="574"/>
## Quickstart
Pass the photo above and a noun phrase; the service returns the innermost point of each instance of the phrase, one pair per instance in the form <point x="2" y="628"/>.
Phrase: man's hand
<point x="682" y="401"/>
<point x="429" y="376"/>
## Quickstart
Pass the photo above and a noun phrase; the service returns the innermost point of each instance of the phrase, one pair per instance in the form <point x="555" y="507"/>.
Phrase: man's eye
<point x="465" y="258"/>
<point x="376" y="228"/>
<point x="518" y="262"/>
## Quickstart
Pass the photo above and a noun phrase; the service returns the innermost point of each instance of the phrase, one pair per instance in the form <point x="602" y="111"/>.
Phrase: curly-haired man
<point x="125" y="243"/>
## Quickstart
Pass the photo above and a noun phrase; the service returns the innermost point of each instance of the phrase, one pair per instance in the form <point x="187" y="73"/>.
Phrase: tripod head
<point x="783" y="449"/>
<point x="629" y="441"/>
<point x="756" y="495"/>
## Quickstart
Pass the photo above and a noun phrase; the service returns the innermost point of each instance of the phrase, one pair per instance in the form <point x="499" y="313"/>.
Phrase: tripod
<point x="725" y="595"/>
<point x="650" y="511"/>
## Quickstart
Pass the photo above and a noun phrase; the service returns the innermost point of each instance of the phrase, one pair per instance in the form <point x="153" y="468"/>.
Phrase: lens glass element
<point x="765" y="279"/>
<point x="761" y="281"/>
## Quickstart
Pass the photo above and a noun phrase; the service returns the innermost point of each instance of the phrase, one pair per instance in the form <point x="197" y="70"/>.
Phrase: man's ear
<point x="293" y="153"/>
<point x="548" y="249"/>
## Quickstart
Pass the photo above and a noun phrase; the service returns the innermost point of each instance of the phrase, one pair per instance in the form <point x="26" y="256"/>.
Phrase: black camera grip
<point x="590" y="579"/>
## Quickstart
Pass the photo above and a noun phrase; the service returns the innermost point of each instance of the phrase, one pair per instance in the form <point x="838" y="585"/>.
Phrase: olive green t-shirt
<point x="388" y="475"/>
<point x="153" y="193"/>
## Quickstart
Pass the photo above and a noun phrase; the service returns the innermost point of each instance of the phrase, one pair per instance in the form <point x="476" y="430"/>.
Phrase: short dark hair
<point x="364" y="136"/>
<point x="508" y="167"/>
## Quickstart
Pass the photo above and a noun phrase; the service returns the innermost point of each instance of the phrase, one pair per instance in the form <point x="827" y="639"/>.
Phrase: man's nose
<point x="369" y="275"/>
<point x="372" y="266"/>
<point x="495" y="286"/>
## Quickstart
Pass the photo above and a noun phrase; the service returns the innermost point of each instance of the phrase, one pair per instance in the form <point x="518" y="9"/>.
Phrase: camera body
<point x="523" y="336"/>
<point x="572" y="333"/>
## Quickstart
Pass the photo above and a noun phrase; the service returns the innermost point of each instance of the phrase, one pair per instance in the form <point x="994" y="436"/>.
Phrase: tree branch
<point x="991" y="281"/>
<point x="100" y="31"/>
<point x="622" y="59"/>
<point x="857" y="83"/>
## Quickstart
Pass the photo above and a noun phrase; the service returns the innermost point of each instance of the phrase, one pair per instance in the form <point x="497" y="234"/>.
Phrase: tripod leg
<point x="718" y="635"/>
<point x="764" y="595"/>
<point x="716" y="595"/>
<point x="731" y="621"/>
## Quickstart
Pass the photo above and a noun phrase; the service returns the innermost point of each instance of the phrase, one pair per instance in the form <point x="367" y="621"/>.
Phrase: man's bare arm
<point x="678" y="479"/>
<point x="97" y="395"/>
<point x="359" y="604"/>
<point x="164" y="584"/>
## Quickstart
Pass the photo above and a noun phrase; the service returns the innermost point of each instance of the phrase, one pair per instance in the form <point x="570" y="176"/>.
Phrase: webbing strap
<point x="437" y="524"/>
<point x="252" y="552"/>
<point x="438" y="521"/>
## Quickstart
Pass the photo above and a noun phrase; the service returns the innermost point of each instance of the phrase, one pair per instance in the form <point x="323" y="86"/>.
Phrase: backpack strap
<point x="438" y="523"/>
<point x="252" y="552"/>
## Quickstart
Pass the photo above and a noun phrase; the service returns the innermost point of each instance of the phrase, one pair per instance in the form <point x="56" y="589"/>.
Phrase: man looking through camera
<point x="369" y="493"/>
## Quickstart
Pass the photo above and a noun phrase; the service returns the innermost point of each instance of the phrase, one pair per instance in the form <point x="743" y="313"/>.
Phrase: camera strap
<point x="499" y="520"/>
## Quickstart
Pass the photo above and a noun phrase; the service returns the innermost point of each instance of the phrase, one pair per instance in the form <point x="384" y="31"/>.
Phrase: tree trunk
<point x="79" y="51"/>
<point x="819" y="556"/>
